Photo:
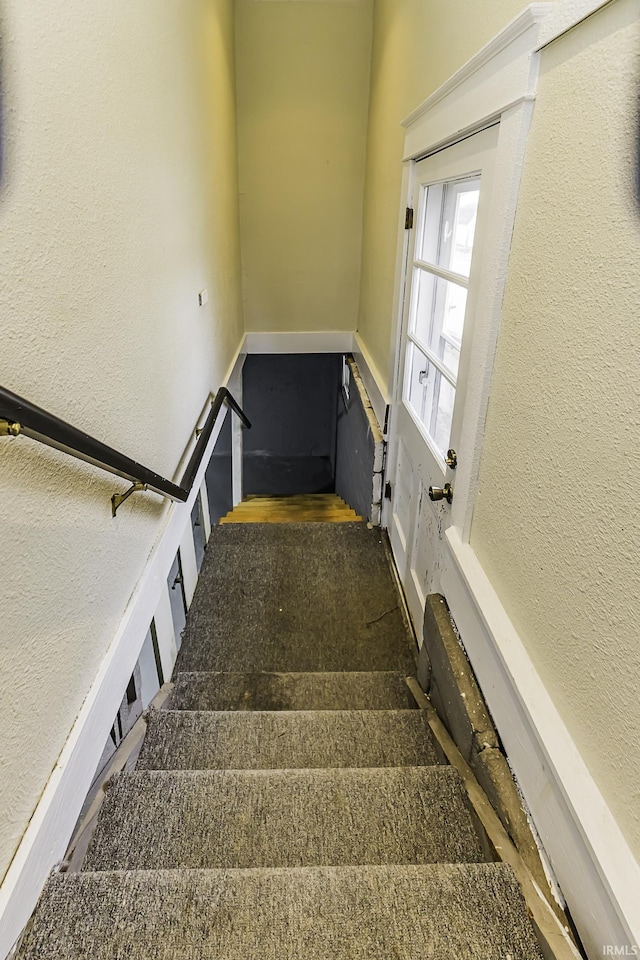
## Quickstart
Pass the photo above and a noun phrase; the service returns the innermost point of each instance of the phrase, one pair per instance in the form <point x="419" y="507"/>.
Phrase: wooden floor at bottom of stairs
<point x="302" y="508"/>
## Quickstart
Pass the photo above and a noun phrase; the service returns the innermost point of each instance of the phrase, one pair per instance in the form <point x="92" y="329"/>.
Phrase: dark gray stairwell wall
<point x="359" y="451"/>
<point x="219" y="474"/>
<point x="291" y="400"/>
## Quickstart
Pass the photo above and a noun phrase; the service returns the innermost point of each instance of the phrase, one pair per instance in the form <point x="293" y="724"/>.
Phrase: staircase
<point x="288" y="804"/>
<point x="305" y="508"/>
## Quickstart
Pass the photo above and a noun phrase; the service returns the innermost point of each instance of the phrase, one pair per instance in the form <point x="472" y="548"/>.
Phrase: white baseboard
<point x="317" y="341"/>
<point x="595" y="867"/>
<point x="51" y="826"/>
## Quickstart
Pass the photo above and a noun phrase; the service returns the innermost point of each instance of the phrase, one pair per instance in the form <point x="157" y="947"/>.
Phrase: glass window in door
<point x="441" y="269"/>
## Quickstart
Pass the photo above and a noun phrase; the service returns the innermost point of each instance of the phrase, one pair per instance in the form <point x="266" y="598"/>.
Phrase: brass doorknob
<point x="441" y="493"/>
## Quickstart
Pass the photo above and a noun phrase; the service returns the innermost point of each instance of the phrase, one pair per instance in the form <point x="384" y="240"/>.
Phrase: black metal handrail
<point x="20" y="417"/>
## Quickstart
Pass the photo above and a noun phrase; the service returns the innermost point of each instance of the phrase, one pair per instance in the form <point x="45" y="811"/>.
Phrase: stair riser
<point x="322" y="739"/>
<point x="290" y="691"/>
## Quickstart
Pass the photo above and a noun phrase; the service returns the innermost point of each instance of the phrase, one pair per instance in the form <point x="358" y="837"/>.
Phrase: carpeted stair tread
<point x="296" y="597"/>
<point x="441" y="912"/>
<point x="289" y="691"/>
<point x="182" y="740"/>
<point x="275" y="818"/>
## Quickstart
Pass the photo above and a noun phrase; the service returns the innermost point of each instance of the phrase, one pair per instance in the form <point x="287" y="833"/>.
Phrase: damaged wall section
<point x="360" y="448"/>
<point x="446" y="676"/>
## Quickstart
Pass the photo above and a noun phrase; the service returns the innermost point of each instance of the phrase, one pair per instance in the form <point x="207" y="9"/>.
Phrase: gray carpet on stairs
<point x="296" y="597"/>
<point x="275" y="818"/>
<point x="180" y="740"/>
<point x="290" y="691"/>
<point x="320" y="861"/>
<point x="442" y="912"/>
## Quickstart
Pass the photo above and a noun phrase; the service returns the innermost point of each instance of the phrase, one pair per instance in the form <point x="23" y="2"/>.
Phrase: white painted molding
<point x="235" y="385"/>
<point x="188" y="560"/>
<point x="317" y="341"/>
<point x="50" y="828"/>
<point x="565" y="16"/>
<point x="165" y="632"/>
<point x="405" y="238"/>
<point x="206" y="513"/>
<point x="590" y="857"/>
<point x="501" y="75"/>
<point x="372" y="378"/>
<point x="496" y="88"/>
<point x="508" y="162"/>
<point x="521" y="24"/>
<point x="597" y="871"/>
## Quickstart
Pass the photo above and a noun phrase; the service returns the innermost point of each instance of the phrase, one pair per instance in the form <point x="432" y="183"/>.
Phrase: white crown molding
<point x="529" y="17"/>
<point x="500" y="78"/>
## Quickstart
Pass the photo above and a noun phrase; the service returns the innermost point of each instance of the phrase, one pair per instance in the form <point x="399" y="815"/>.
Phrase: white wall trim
<point x="528" y="18"/>
<point x="372" y="378"/>
<point x="500" y="76"/>
<point x="235" y="385"/>
<point x="188" y="557"/>
<point x="497" y="86"/>
<point x="597" y="871"/>
<point x="206" y="513"/>
<point x="316" y="341"/>
<point x="567" y="15"/>
<point x="593" y="862"/>
<point x="50" y="828"/>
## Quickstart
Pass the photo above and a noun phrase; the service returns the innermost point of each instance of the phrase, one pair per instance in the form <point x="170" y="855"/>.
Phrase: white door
<point x="451" y="195"/>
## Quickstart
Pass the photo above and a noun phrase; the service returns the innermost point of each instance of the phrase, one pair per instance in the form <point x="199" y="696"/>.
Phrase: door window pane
<point x="431" y="398"/>
<point x="448" y="224"/>
<point x="438" y="318"/>
<point x="442" y="266"/>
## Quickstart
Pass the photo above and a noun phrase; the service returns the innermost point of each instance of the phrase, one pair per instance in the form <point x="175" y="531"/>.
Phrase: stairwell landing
<point x="289" y="802"/>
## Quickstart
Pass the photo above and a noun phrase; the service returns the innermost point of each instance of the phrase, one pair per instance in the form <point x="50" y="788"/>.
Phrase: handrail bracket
<point x="119" y="498"/>
<point x="20" y="417"/>
<point x="9" y="429"/>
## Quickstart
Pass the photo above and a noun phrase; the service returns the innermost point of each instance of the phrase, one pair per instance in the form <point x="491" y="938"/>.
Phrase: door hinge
<point x="408" y="219"/>
<point x="387" y="491"/>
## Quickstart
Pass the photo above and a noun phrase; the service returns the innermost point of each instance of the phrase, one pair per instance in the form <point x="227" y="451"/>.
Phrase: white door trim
<point x="592" y="860"/>
<point x="497" y="84"/>
<point x="501" y="75"/>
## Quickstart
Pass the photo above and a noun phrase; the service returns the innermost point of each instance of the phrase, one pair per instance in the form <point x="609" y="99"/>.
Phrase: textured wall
<point x="118" y="204"/>
<point x="303" y="82"/>
<point x="417" y="45"/>
<point x="556" y="524"/>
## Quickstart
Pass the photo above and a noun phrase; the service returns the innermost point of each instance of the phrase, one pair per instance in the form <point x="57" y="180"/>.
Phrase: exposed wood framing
<point x="555" y="940"/>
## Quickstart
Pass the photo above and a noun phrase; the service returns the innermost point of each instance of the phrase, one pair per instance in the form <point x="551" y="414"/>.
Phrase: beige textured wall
<point x="417" y="45"/>
<point x="118" y="204"/>
<point x="303" y="84"/>
<point x="556" y="525"/>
